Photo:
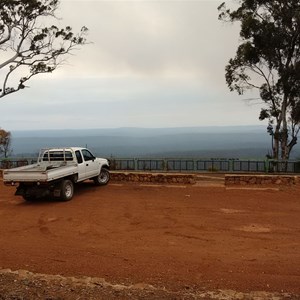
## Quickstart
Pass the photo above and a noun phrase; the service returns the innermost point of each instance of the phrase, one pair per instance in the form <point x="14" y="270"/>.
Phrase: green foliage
<point x="29" y="46"/>
<point x="268" y="59"/>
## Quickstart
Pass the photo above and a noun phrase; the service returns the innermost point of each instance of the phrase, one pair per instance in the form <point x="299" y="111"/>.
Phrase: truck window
<point x="87" y="155"/>
<point x="78" y="156"/>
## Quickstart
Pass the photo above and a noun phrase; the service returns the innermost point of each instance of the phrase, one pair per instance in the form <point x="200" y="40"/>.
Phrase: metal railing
<point x="204" y="165"/>
<point x="14" y="163"/>
<point x="184" y="165"/>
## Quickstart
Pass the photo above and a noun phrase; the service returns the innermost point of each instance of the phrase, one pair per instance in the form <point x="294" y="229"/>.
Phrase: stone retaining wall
<point x="149" y="177"/>
<point x="235" y="179"/>
<point x="153" y="177"/>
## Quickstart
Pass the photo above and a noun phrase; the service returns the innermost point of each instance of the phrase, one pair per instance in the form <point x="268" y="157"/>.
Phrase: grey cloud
<point x="150" y="64"/>
<point x="152" y="38"/>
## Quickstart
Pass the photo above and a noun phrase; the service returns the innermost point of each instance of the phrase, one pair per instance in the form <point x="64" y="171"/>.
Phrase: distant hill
<point x="225" y="142"/>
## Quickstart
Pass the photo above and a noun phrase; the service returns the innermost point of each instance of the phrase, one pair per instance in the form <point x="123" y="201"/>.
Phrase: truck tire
<point x="102" y="178"/>
<point x="66" y="190"/>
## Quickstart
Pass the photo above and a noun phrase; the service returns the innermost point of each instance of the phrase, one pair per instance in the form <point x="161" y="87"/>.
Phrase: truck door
<point x="91" y="166"/>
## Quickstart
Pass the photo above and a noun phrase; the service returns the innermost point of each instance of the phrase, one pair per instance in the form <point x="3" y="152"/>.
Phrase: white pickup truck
<point x="56" y="172"/>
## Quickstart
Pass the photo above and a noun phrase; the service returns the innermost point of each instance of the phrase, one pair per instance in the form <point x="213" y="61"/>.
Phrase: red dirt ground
<point x="178" y="237"/>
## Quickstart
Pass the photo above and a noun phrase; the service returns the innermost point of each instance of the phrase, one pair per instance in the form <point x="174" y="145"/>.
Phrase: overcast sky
<point x="150" y="64"/>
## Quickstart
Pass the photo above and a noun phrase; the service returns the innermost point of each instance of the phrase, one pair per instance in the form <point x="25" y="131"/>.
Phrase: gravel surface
<point x="132" y="241"/>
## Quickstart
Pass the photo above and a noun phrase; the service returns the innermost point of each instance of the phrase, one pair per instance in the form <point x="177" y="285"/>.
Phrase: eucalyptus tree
<point x="5" y="143"/>
<point x="268" y="59"/>
<point x="27" y="46"/>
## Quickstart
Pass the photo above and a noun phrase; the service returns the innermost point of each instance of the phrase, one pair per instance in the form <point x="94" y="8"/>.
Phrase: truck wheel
<point x="66" y="190"/>
<point x="102" y="178"/>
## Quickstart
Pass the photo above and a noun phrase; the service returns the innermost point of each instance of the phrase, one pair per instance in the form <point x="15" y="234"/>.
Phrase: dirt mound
<point x="23" y="285"/>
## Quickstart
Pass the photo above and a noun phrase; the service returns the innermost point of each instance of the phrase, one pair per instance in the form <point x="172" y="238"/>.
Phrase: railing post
<point x="165" y="165"/>
<point x="266" y="165"/>
<point x="135" y="164"/>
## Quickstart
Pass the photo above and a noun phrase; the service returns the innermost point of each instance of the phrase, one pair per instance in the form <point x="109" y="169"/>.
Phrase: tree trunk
<point x="276" y="142"/>
<point x="284" y="145"/>
<point x="291" y="144"/>
<point x="284" y="131"/>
